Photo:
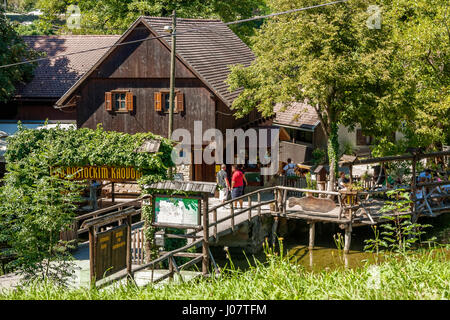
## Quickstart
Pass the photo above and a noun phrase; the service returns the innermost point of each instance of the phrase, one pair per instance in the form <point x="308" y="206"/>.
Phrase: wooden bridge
<point x="348" y="209"/>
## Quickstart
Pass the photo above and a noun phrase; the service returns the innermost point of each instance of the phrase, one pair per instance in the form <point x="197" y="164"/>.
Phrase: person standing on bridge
<point x="222" y="181"/>
<point x="237" y="184"/>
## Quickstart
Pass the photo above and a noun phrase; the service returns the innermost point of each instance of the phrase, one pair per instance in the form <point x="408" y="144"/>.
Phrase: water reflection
<point x="323" y="258"/>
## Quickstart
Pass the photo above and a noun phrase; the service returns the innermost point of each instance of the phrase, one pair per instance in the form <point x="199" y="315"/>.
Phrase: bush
<point x="36" y="206"/>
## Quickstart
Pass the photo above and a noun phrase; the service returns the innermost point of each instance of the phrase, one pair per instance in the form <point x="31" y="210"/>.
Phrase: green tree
<point x="12" y="50"/>
<point x="326" y="56"/>
<point x="35" y="208"/>
<point x="37" y="27"/>
<point x="112" y="17"/>
<point x="422" y="31"/>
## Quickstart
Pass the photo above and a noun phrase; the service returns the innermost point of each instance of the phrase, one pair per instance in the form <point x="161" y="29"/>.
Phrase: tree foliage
<point x="35" y="206"/>
<point x="12" y="50"/>
<point x="422" y="30"/>
<point x="326" y="56"/>
<point x="112" y="17"/>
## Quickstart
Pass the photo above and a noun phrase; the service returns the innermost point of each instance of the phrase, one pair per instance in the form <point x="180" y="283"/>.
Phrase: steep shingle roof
<point x="209" y="51"/>
<point x="297" y="114"/>
<point x="52" y="78"/>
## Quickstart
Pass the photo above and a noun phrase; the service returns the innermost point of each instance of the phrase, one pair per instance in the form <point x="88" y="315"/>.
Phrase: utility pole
<point x="172" y="79"/>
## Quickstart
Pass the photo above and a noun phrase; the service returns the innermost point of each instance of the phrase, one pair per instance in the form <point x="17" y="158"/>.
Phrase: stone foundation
<point x="185" y="170"/>
<point x="249" y="236"/>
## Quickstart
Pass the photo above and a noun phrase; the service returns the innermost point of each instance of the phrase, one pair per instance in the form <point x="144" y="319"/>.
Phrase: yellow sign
<point x="97" y="173"/>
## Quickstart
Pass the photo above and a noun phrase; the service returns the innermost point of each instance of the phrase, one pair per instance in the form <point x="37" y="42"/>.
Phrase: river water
<point x="325" y="255"/>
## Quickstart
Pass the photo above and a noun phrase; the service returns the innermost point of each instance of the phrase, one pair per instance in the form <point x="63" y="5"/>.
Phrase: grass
<point x="409" y="276"/>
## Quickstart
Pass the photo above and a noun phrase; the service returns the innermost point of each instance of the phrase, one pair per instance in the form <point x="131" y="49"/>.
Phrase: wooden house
<point x="127" y="89"/>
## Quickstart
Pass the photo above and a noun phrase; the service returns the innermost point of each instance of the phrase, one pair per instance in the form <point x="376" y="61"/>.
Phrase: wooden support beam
<point x="192" y="262"/>
<point x="249" y="200"/>
<point x="205" y="242"/>
<point x="216" y="268"/>
<point x="312" y="232"/>
<point x="92" y="255"/>
<point x="277" y="209"/>
<point x="274" y="229"/>
<point x="259" y="203"/>
<point x="216" y="238"/>
<point x="284" y="203"/>
<point x="175" y="267"/>
<point x="129" y="257"/>
<point x="113" y="196"/>
<point x="414" y="215"/>
<point x="348" y="238"/>
<point x="232" y="217"/>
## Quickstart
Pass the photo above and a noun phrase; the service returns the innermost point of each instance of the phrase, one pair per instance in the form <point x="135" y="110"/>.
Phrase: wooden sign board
<point x="310" y="203"/>
<point x="119" y="174"/>
<point x="176" y="211"/>
<point x="111" y="251"/>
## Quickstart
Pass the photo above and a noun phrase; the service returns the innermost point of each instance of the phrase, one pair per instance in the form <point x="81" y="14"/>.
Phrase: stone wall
<point x="249" y="236"/>
<point x="185" y="170"/>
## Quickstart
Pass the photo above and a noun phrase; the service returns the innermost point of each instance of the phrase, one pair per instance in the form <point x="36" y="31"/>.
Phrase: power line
<point x="169" y="35"/>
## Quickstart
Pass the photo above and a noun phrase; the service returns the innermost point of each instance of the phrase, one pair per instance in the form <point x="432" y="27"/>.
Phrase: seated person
<point x="425" y="174"/>
<point x="342" y="181"/>
<point x="446" y="187"/>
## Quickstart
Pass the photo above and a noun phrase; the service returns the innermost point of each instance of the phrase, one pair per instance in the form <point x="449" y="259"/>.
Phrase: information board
<point x="176" y="211"/>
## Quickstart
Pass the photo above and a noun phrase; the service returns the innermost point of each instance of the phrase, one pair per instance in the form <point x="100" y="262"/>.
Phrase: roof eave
<point x="75" y="86"/>
<point x="61" y="101"/>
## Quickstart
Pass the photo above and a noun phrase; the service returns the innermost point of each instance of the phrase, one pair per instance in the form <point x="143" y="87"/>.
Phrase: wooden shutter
<point x="129" y="101"/>
<point x="179" y="102"/>
<point x="158" y="99"/>
<point x="108" y="101"/>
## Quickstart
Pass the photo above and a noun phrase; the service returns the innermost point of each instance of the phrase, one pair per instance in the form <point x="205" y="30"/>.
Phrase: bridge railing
<point x="100" y="212"/>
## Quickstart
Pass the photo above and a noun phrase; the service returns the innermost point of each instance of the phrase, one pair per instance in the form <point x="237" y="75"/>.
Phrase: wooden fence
<point x="137" y="246"/>
<point x="292" y="182"/>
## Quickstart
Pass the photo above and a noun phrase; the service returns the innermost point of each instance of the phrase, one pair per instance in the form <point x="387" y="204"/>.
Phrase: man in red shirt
<point x="237" y="184"/>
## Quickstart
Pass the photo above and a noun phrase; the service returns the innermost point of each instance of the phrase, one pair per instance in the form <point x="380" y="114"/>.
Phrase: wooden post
<point x="414" y="190"/>
<point x="274" y="230"/>
<point x="232" y="217"/>
<point x="276" y="200"/>
<point x="113" y="197"/>
<point x="205" y="243"/>
<point x="249" y="200"/>
<point x="172" y="79"/>
<point x="259" y="203"/>
<point x="351" y="173"/>
<point x="170" y="269"/>
<point x="348" y="238"/>
<point x="312" y="231"/>
<point x="216" y="238"/>
<point x="284" y="201"/>
<point x="129" y="257"/>
<point x="92" y="254"/>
